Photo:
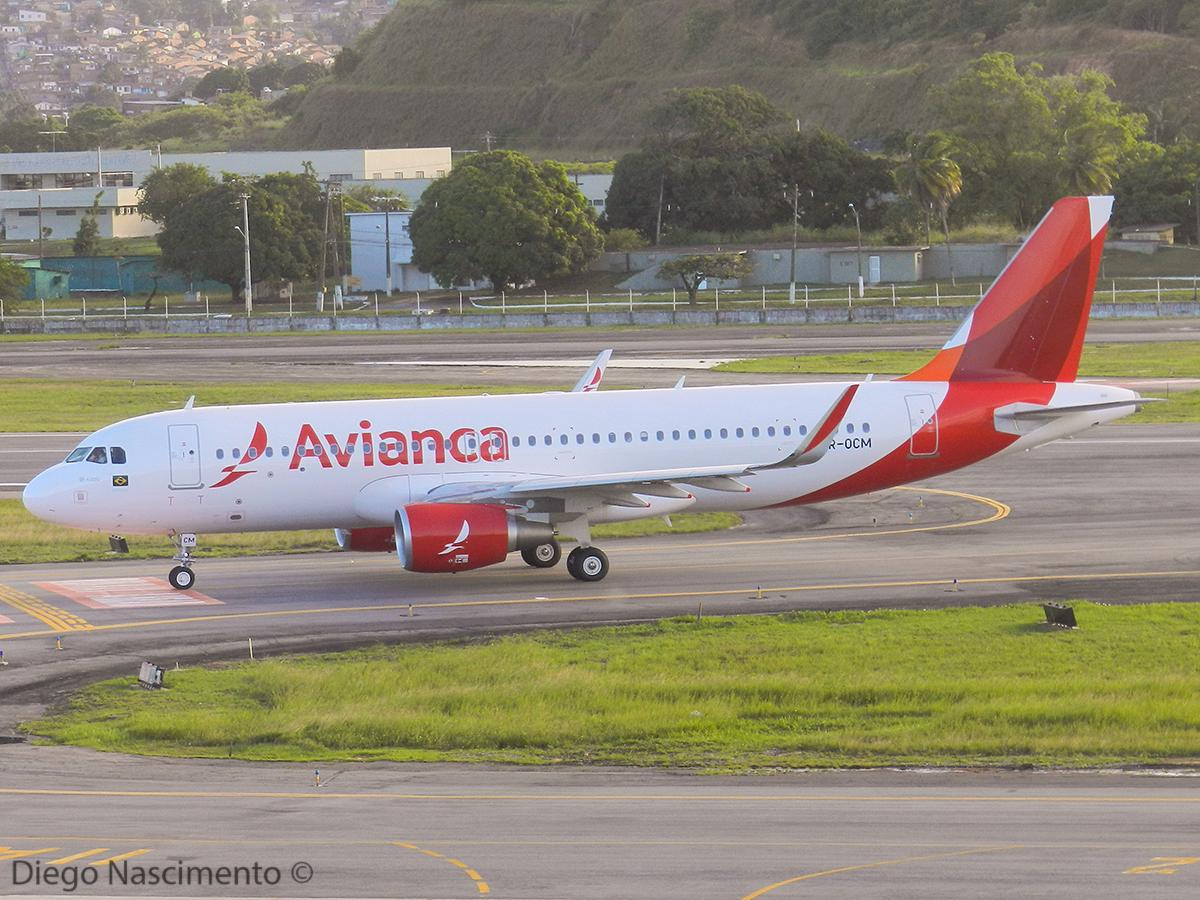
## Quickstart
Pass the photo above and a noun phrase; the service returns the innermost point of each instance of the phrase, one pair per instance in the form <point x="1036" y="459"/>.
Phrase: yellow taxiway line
<point x="58" y="619"/>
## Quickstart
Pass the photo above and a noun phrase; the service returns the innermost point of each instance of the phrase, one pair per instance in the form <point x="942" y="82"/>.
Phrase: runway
<point x="357" y="357"/>
<point x="402" y="831"/>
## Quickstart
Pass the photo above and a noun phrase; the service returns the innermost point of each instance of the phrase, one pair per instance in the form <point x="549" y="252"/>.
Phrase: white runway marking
<point x="632" y="363"/>
<point x="125" y="593"/>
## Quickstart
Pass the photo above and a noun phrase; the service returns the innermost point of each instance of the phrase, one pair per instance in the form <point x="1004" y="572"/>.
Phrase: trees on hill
<point x="502" y="217"/>
<point x="716" y="161"/>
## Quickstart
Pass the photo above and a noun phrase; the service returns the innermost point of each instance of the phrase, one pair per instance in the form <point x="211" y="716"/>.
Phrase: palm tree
<point x="931" y="177"/>
<point x="1087" y="161"/>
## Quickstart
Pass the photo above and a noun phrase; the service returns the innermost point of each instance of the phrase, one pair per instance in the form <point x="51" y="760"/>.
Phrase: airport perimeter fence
<point x="1134" y="296"/>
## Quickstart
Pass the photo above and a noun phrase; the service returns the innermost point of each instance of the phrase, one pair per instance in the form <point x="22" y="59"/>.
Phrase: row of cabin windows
<point x="563" y="439"/>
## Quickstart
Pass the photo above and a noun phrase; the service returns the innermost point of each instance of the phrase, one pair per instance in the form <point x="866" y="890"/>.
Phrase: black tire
<point x="543" y="556"/>
<point x="182" y="578"/>
<point x="587" y="564"/>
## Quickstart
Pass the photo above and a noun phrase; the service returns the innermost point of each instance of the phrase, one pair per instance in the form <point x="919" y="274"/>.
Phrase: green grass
<point x="60" y="405"/>
<point x="968" y="686"/>
<point x="26" y="539"/>
<point x="1180" y="407"/>
<point x="1176" y="359"/>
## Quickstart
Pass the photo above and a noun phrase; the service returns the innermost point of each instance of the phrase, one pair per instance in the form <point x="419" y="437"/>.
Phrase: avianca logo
<point x="391" y="448"/>
<point x="258" y="444"/>
<point x="459" y="542"/>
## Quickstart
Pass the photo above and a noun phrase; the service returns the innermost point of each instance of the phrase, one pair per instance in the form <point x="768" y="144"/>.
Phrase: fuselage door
<point x="184" y="442"/>
<point x="922" y="424"/>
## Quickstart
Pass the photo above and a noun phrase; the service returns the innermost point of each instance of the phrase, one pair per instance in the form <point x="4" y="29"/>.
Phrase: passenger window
<point x="787" y="430"/>
<point x="516" y="440"/>
<point x="724" y="432"/>
<point x="563" y="439"/>
<point x="770" y="431"/>
<point x="754" y="431"/>
<point x="803" y="429"/>
<point x="78" y="453"/>
<point x="691" y="434"/>
<point x="674" y="435"/>
<point x="612" y="438"/>
<point x="708" y="434"/>
<point x="253" y="454"/>
<point x="547" y="440"/>
<point x="220" y="455"/>
<point x="117" y="455"/>
<point x="866" y="427"/>
<point x="98" y="455"/>
<point x="849" y="428"/>
<point x="595" y="437"/>
<point x="740" y="433"/>
<point x="270" y="452"/>
<point x="659" y="435"/>
<point x="645" y="436"/>
<point x="579" y="438"/>
<point x="283" y="451"/>
<point x="532" y="440"/>
<point x="629" y="437"/>
<point x="237" y="454"/>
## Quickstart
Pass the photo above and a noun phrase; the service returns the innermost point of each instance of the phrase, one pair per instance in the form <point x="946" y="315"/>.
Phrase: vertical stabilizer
<point x="1031" y="322"/>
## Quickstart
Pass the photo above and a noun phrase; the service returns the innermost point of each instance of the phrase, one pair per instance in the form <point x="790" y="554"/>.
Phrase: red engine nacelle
<point x="366" y="540"/>
<point x="454" y="537"/>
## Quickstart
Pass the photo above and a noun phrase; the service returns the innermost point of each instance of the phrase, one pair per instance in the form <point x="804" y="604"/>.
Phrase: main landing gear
<point x="583" y="563"/>
<point x="182" y="577"/>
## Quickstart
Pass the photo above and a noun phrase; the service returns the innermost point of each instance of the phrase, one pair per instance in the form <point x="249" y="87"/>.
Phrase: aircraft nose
<point x="41" y="495"/>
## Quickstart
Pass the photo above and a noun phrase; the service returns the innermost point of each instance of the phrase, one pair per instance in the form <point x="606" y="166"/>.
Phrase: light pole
<point x="795" y="238"/>
<point x="387" y="239"/>
<point x="244" y="231"/>
<point x="858" y="233"/>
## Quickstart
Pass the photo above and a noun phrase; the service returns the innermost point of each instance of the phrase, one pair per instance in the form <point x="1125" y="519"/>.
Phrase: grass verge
<point x="967" y="686"/>
<point x="1175" y="359"/>
<point x="26" y="539"/>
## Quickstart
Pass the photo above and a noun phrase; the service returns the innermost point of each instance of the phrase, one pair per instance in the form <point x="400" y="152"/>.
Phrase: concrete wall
<point x="743" y="316"/>
<point x="969" y="260"/>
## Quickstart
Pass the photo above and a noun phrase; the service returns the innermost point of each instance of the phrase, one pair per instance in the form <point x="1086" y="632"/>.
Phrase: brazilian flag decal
<point x="120" y="481"/>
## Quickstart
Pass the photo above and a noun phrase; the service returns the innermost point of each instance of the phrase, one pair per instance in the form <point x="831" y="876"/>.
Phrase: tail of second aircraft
<point x="1030" y="324"/>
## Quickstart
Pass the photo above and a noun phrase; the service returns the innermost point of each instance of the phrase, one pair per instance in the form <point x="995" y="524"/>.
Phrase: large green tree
<point x="929" y="176"/>
<point x="694" y="269"/>
<point x="201" y="239"/>
<point x="165" y="190"/>
<point x="502" y="217"/>
<point x="1161" y="184"/>
<point x="1024" y="139"/>
<point x="222" y="81"/>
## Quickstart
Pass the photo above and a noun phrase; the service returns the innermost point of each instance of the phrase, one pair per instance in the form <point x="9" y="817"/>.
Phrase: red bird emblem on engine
<point x="258" y="443"/>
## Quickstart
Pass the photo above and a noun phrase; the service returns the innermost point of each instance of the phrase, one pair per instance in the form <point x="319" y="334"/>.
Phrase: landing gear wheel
<point x="587" y="564"/>
<point x="543" y="556"/>
<point x="181" y="578"/>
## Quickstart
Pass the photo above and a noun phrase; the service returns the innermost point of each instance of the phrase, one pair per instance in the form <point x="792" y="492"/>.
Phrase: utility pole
<point x="662" y="182"/>
<point x="387" y="239"/>
<point x="795" y="239"/>
<point x="488" y="140"/>
<point x="41" y="233"/>
<point x="858" y="232"/>
<point x="247" y="291"/>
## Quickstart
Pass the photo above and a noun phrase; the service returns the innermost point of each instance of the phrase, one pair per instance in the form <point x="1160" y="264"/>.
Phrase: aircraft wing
<point x="620" y="488"/>
<point x="590" y="380"/>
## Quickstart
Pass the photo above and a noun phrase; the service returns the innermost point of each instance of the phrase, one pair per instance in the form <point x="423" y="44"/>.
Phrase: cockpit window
<point x="98" y="455"/>
<point x="117" y="455"/>
<point x="78" y="453"/>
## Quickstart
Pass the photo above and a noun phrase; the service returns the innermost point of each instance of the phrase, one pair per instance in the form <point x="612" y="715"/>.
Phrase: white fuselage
<point x="353" y="464"/>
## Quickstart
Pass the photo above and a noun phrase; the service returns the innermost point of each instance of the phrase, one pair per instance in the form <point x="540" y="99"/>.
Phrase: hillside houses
<point x="58" y="54"/>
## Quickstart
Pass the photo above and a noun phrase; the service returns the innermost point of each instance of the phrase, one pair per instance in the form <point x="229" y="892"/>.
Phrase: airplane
<point x="458" y="483"/>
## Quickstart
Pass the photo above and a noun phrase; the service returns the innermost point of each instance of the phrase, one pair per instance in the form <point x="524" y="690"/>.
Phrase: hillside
<point x="576" y="76"/>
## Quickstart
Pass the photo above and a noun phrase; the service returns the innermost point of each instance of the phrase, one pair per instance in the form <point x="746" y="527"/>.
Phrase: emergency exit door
<point x="185" y="455"/>
<point x="922" y="424"/>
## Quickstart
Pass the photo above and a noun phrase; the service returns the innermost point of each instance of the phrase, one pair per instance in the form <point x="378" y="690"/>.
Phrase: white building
<point x="65" y="185"/>
<point x="372" y="236"/>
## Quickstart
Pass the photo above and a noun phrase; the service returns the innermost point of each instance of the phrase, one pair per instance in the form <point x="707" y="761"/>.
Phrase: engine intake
<point x="455" y="537"/>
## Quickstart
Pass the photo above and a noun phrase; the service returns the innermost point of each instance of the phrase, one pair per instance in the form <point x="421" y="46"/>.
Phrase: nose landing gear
<point x="182" y="577"/>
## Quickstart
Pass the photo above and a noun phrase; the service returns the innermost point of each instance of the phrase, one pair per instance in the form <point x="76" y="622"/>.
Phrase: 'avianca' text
<point x="400" y="448"/>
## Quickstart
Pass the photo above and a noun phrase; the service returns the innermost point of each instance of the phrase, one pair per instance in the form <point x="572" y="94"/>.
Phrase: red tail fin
<point x="1030" y="324"/>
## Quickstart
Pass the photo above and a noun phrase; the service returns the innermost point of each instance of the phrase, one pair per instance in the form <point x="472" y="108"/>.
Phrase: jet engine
<point x="366" y="540"/>
<point x="454" y="537"/>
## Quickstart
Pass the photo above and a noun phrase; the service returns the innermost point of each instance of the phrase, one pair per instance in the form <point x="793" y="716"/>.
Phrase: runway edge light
<point x="1060" y="615"/>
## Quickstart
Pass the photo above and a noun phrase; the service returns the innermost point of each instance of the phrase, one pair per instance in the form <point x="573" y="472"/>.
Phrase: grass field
<point x="26" y="539"/>
<point x="1148" y="360"/>
<point x="968" y="686"/>
<point x="70" y="405"/>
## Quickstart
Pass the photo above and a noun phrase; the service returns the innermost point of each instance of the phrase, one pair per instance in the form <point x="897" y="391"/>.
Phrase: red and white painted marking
<point x="125" y="593"/>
